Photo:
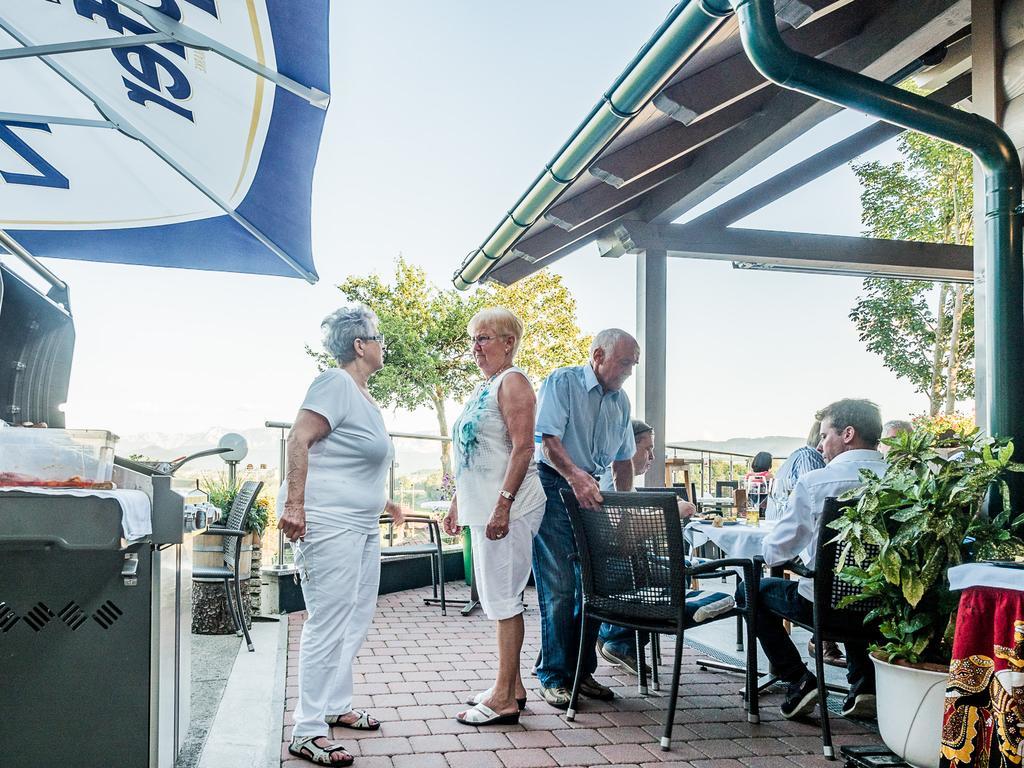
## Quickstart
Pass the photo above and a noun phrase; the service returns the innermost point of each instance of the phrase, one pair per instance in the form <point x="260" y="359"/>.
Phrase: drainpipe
<point x="682" y="33"/>
<point x="983" y="138"/>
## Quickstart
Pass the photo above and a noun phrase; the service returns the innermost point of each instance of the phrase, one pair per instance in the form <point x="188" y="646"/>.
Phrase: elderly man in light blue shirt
<point x="583" y="428"/>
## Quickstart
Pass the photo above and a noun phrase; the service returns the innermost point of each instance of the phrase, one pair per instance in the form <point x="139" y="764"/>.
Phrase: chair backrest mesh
<point x="678" y="490"/>
<point x="828" y="586"/>
<point x="631" y="554"/>
<point x="240" y="507"/>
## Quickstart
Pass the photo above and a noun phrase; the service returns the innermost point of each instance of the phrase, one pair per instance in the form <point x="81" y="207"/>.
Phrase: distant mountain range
<point x="779" y="446"/>
<point x="264" y="446"/>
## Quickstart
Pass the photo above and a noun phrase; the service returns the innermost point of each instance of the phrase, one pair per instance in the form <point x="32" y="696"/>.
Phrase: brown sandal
<point x="307" y="748"/>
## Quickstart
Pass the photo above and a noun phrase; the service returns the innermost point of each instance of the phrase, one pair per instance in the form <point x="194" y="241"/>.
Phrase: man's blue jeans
<point x="559" y="593"/>
<point x="618" y="639"/>
<point x="780" y="599"/>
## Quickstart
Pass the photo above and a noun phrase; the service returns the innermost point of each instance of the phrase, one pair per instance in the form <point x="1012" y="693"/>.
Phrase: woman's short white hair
<point x="608" y="338"/>
<point x="500" y="320"/>
<point x="343" y="326"/>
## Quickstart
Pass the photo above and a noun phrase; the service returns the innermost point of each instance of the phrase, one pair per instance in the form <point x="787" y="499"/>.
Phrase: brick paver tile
<point x="485" y="739"/>
<point x="444" y="742"/>
<point x="474" y="760"/>
<point x="767" y="761"/>
<point x="577" y="756"/>
<point x="419" y="760"/>
<point x="525" y="758"/>
<point x="717" y="763"/>
<point x="626" y="734"/>
<point x="721" y="748"/>
<point x="386" y="746"/>
<point x="767" y="746"/>
<point x="533" y="739"/>
<point x="624" y="753"/>
<point x="579" y="737"/>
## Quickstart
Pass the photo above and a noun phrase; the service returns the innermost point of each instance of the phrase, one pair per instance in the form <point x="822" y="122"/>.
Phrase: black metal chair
<point x="431" y="549"/>
<point x="228" y="573"/>
<point x="634" y="575"/>
<point x="840" y="625"/>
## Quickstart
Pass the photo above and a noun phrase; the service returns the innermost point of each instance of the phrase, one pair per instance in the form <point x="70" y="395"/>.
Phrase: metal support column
<point x="987" y="101"/>
<point x="652" y="333"/>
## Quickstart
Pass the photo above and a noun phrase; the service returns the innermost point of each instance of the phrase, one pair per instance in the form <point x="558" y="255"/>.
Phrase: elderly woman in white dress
<point x="498" y="494"/>
<point x="338" y="455"/>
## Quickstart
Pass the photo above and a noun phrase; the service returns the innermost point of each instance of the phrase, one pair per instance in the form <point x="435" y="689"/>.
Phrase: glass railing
<point x="706" y="468"/>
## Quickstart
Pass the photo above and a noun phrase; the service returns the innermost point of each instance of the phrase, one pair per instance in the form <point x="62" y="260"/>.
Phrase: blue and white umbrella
<point x="178" y="133"/>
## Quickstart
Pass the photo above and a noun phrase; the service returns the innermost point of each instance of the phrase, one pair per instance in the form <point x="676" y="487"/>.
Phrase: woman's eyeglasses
<point x="481" y="340"/>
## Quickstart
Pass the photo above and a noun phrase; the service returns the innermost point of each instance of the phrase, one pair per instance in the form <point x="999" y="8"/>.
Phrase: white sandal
<point x="481" y="697"/>
<point x="480" y="714"/>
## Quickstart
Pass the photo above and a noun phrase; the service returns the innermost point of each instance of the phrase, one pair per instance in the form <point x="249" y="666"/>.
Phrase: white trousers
<point x="340" y="572"/>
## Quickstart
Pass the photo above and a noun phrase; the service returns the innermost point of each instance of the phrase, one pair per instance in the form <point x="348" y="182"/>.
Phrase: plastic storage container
<point x="56" y="458"/>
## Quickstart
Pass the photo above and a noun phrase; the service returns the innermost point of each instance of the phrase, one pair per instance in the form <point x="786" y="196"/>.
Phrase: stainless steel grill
<point x="94" y="630"/>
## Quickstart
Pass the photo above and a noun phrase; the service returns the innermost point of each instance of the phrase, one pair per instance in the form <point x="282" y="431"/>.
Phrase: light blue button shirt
<point x="593" y="425"/>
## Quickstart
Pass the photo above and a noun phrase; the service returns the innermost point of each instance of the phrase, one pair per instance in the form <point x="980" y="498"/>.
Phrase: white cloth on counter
<point x="985" y="575"/>
<point x="136" y="508"/>
<point x="738" y="540"/>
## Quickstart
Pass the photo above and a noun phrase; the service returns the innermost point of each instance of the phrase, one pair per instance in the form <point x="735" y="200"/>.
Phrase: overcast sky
<point x="442" y="114"/>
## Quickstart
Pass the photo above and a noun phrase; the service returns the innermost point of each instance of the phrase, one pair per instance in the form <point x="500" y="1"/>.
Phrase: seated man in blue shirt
<point x="850" y="430"/>
<point x="583" y="428"/>
<point x="618" y="644"/>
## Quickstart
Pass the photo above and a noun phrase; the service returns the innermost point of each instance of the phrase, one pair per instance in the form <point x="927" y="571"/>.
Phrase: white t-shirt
<point x="346" y="482"/>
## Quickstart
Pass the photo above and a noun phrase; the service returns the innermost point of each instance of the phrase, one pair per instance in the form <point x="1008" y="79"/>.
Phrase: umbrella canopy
<point x="177" y="134"/>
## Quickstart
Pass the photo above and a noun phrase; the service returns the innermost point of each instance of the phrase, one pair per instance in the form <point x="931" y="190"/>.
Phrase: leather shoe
<point x="592" y="689"/>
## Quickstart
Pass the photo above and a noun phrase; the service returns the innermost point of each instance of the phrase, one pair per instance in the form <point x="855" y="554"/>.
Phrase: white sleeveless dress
<point x="501" y="567"/>
<point x="481" y="448"/>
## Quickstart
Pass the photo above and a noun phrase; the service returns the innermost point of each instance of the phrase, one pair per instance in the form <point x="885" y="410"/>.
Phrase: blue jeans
<point x="560" y="594"/>
<point x="780" y="599"/>
<point x="618" y="639"/>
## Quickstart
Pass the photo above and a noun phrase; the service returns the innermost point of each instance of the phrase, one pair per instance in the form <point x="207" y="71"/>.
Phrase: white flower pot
<point x="910" y="703"/>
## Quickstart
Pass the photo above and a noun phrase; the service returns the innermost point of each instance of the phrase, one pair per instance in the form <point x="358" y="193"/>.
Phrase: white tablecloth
<point x="985" y="575"/>
<point x="740" y="540"/>
<point x="136" y="508"/>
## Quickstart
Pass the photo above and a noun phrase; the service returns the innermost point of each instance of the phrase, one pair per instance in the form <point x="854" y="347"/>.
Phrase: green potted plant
<point x="925" y="516"/>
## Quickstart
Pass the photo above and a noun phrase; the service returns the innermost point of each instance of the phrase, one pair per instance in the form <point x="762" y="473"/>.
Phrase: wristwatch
<point x="506" y="495"/>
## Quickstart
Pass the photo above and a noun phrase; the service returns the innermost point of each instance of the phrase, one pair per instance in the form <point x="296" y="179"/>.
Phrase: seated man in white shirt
<point x="850" y="430"/>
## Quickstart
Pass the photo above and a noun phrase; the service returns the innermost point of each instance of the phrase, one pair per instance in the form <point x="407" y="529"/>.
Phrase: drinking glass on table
<point x="755" y="493"/>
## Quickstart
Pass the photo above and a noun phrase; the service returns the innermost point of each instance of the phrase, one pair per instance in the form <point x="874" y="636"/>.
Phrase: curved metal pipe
<point x="1004" y="271"/>
<point x="682" y="33"/>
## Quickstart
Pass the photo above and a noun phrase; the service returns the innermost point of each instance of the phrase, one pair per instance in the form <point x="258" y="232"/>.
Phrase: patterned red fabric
<point x="984" y="714"/>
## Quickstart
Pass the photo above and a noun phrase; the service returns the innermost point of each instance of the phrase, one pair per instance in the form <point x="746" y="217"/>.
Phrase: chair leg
<point x="641" y="672"/>
<point x="819" y="670"/>
<point x="739" y="633"/>
<point x="440" y="576"/>
<point x="241" y="614"/>
<point x="570" y="713"/>
<point x="653" y="637"/>
<point x="641" y="680"/>
<point x="751" y="693"/>
<point x="666" y="739"/>
<point x="231" y="607"/>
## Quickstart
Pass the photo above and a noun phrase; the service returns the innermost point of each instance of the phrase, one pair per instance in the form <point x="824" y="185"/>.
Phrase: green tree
<point x="924" y="332"/>
<point x="429" y="360"/>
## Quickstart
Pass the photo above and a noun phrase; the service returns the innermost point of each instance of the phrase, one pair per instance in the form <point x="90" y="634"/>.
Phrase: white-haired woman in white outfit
<point x="334" y="491"/>
<point x="498" y="494"/>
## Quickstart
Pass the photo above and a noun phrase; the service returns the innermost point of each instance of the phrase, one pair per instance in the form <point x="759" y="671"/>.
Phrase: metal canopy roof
<point x="717" y="118"/>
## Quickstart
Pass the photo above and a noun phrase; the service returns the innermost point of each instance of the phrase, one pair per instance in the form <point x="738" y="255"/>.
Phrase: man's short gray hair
<point x="896" y="426"/>
<point x="608" y="338"/>
<point x="343" y="326"/>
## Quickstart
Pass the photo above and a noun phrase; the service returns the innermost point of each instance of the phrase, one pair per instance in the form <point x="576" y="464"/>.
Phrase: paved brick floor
<point x="416" y="669"/>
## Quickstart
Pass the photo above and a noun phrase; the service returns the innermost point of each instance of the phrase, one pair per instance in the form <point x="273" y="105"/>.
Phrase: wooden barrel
<point x="208" y="552"/>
